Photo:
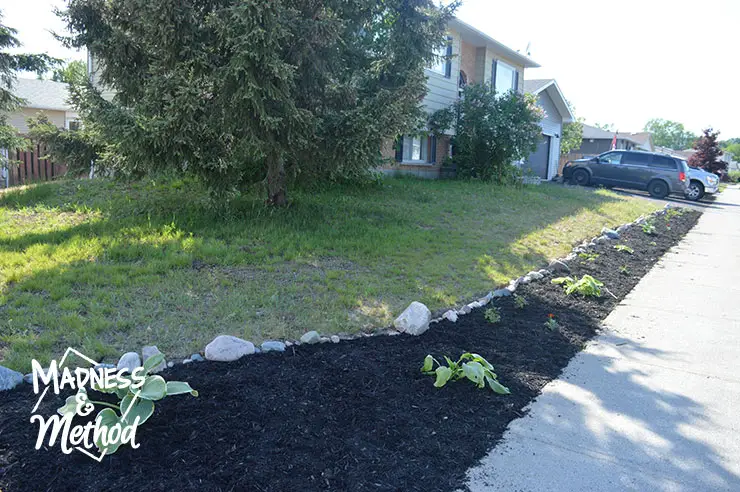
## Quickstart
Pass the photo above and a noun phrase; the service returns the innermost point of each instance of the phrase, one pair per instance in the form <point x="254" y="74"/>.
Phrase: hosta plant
<point x="623" y="248"/>
<point x="470" y="366"/>
<point x="520" y="302"/>
<point x="648" y="227"/>
<point x="136" y="399"/>
<point x="588" y="256"/>
<point x="586" y="286"/>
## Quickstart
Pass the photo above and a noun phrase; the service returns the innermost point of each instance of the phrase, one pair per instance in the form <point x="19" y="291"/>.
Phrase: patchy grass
<point x="108" y="267"/>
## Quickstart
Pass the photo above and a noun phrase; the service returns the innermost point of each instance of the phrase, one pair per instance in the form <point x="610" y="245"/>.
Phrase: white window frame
<point x="423" y="150"/>
<point x="439" y="65"/>
<point x="499" y="72"/>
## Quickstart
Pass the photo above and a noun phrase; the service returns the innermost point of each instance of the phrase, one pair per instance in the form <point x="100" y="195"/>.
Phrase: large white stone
<point x="148" y="351"/>
<point x="414" y="320"/>
<point x="129" y="361"/>
<point x="311" y="337"/>
<point x="225" y="348"/>
<point x="9" y="378"/>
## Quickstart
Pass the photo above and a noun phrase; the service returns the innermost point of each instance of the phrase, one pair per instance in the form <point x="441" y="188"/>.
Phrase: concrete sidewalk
<point x="654" y="402"/>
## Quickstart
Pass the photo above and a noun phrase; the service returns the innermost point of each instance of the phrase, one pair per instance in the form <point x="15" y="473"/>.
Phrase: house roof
<point x="592" y="132"/>
<point x="551" y="88"/>
<point x="472" y="35"/>
<point x="42" y="94"/>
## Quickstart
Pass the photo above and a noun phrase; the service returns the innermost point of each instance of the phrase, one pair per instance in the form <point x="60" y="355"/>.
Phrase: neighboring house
<point x="42" y="96"/>
<point x="596" y="141"/>
<point x="474" y="58"/>
<point x="543" y="162"/>
<point x="642" y="140"/>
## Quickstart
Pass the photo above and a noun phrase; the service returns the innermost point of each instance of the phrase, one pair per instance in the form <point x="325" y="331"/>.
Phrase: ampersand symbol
<point x="84" y="407"/>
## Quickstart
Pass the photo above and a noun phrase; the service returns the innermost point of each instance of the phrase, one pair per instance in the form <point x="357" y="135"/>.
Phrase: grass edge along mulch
<point x="355" y="416"/>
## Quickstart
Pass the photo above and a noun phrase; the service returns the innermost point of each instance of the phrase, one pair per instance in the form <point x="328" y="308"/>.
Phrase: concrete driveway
<point x="654" y="402"/>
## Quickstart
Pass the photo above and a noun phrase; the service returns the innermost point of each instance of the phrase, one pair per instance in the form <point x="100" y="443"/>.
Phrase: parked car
<point x="700" y="183"/>
<point x="659" y="174"/>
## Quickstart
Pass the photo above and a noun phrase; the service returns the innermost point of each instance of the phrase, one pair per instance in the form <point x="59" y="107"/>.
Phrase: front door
<point x="537" y="162"/>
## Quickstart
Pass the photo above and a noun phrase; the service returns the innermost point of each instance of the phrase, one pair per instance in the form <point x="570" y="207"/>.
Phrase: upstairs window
<point x="504" y="77"/>
<point x="443" y="61"/>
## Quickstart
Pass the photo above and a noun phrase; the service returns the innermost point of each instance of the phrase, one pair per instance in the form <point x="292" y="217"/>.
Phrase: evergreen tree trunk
<point x="276" y="192"/>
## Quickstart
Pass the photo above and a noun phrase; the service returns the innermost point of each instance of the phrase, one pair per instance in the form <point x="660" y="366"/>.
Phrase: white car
<point x="700" y="183"/>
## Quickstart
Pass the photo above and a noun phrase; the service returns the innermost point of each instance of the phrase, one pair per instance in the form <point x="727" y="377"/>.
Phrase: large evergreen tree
<point x="708" y="153"/>
<point x="244" y="91"/>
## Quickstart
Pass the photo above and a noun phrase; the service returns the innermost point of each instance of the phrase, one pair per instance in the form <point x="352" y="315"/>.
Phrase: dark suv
<point x="659" y="174"/>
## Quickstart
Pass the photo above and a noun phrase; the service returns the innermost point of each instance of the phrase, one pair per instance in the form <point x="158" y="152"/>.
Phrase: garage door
<point x="538" y="160"/>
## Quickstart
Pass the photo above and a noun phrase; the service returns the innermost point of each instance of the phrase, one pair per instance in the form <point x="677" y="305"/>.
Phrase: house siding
<point x="17" y="119"/>
<point x="552" y="125"/>
<point x="492" y="55"/>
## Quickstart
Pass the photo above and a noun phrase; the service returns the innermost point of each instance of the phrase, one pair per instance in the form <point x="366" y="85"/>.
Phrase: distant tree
<point x="670" y="134"/>
<point x="733" y="150"/>
<point x="708" y="153"/>
<point x="9" y="66"/>
<point x="237" y="92"/>
<point x="75" y="72"/>
<point x="730" y="141"/>
<point x="607" y="127"/>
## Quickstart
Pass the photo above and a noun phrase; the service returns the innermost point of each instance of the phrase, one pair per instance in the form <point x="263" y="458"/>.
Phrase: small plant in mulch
<point x="624" y="270"/>
<point x="137" y="393"/>
<point x="471" y="366"/>
<point x="551" y="323"/>
<point x="623" y="248"/>
<point x="588" y="256"/>
<point x="492" y="315"/>
<point x="648" y="227"/>
<point x="520" y="302"/>
<point x="587" y="286"/>
<point x="653" y="243"/>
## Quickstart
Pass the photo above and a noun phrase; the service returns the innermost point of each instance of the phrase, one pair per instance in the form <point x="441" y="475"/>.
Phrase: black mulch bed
<point x="352" y="416"/>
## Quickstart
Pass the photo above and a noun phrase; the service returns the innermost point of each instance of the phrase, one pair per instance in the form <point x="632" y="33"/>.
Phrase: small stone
<point x="601" y="239"/>
<point x="464" y="310"/>
<point x="450" y="316"/>
<point x="502" y="292"/>
<point x="475" y="305"/>
<point x="170" y="364"/>
<point x="334" y="339"/>
<point x="28" y="378"/>
<point x="150" y="351"/>
<point x="225" y="348"/>
<point x="524" y="280"/>
<point x="623" y="228"/>
<point x="414" y="320"/>
<point x="311" y="337"/>
<point x="257" y="350"/>
<point x="129" y="361"/>
<point x="534" y="276"/>
<point x="9" y="378"/>
<point x="104" y="366"/>
<point x="197" y="358"/>
<point x="324" y="340"/>
<point x="610" y="233"/>
<point x="558" y="266"/>
<point x="483" y="301"/>
<point x="544" y="272"/>
<point x="288" y="343"/>
<point x="187" y="361"/>
<point x="273" y="346"/>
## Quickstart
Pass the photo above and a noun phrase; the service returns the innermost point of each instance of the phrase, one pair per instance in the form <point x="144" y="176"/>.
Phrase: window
<point x="504" y="77"/>
<point x="442" y="63"/>
<point x="663" y="162"/>
<point x="611" y="158"/>
<point x="73" y="125"/>
<point x="636" y="159"/>
<point x="415" y="149"/>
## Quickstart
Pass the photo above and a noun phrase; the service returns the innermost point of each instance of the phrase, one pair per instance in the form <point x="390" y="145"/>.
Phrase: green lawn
<point x="108" y="267"/>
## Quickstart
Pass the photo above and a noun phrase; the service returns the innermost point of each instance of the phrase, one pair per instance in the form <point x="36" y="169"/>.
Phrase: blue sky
<point x="620" y="62"/>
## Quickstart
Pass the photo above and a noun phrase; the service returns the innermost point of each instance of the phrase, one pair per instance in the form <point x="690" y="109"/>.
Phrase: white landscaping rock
<point x="129" y="361"/>
<point x="334" y="339"/>
<point x="450" y="316"/>
<point x="148" y="351"/>
<point x="225" y="348"/>
<point x="9" y="378"/>
<point x="311" y="337"/>
<point x="414" y="320"/>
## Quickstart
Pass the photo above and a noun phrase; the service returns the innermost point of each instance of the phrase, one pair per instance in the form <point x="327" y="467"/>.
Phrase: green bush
<point x="492" y="131"/>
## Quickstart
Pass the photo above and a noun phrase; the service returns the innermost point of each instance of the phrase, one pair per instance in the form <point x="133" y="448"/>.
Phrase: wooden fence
<point x="28" y="166"/>
<point x="569" y="157"/>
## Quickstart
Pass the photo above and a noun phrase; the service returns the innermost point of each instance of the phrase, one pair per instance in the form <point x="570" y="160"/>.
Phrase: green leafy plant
<point x="520" y="302"/>
<point x="551" y="323"/>
<point x="586" y="286"/>
<point x="623" y="248"/>
<point x="648" y="227"/>
<point x="133" y="403"/>
<point x="471" y="366"/>
<point x="653" y="243"/>
<point x="624" y="270"/>
<point x="493" y="315"/>
<point x="588" y="256"/>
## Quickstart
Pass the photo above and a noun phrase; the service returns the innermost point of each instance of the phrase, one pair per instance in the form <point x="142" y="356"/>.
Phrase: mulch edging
<point x="352" y="416"/>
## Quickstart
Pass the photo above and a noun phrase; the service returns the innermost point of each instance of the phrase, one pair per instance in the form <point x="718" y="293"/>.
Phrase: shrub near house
<point x="491" y="131"/>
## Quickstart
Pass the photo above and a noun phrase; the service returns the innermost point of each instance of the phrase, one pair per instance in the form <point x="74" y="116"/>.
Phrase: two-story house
<point x="472" y="57"/>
